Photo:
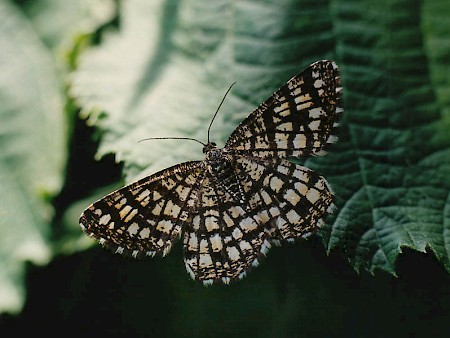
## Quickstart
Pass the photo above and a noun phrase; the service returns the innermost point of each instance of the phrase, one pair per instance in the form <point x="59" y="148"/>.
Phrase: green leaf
<point x="164" y="73"/>
<point x="33" y="151"/>
<point x="57" y="22"/>
<point x="170" y="68"/>
<point x="395" y="158"/>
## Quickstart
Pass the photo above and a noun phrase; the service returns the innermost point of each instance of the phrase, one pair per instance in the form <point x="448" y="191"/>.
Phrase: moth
<point x="232" y="206"/>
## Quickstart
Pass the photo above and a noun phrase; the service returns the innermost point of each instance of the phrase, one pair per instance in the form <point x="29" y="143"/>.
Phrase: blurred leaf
<point x="57" y="22"/>
<point x="33" y="151"/>
<point x="165" y="72"/>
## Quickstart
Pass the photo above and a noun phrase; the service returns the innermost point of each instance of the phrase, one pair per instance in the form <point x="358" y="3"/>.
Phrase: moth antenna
<point x="220" y="105"/>
<point x="172" y="138"/>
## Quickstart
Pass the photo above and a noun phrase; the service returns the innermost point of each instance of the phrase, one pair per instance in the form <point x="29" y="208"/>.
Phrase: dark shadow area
<point x="296" y="292"/>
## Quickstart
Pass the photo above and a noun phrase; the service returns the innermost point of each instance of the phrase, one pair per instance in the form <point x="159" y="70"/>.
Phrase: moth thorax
<point x="217" y="160"/>
<point x="224" y="175"/>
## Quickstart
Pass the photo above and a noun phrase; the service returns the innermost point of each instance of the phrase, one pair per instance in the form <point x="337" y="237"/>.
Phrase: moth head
<point x="208" y="147"/>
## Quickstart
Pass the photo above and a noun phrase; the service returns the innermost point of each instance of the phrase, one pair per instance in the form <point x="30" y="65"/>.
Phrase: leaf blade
<point x="33" y="151"/>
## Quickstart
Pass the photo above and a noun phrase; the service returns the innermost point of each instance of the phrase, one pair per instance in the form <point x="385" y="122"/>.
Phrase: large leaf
<point x="163" y="75"/>
<point x="33" y="129"/>
<point x="33" y="151"/>
<point x="171" y="68"/>
<point x="395" y="159"/>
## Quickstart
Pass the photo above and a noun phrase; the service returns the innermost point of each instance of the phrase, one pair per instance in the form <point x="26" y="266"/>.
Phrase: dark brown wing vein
<point x="299" y="119"/>
<point x="145" y="217"/>
<point x="224" y="239"/>
<point x="295" y="199"/>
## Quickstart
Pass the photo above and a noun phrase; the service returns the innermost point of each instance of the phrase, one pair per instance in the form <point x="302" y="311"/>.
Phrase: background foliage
<point x="137" y="69"/>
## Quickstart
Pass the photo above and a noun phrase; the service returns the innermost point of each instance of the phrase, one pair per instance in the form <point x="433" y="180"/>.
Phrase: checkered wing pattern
<point x="224" y="239"/>
<point x="289" y="199"/>
<point x="285" y="201"/>
<point x="297" y="120"/>
<point x="145" y="217"/>
<point x="240" y="199"/>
